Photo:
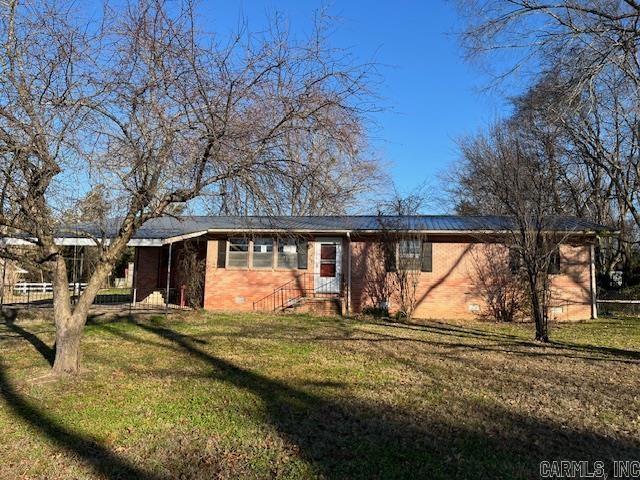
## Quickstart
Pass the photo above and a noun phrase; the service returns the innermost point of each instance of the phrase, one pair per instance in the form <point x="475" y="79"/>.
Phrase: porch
<point x="172" y="274"/>
<point x="278" y="273"/>
<point x="308" y="292"/>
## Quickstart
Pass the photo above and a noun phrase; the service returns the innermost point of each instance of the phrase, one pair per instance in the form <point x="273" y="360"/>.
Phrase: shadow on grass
<point x="8" y="317"/>
<point x="352" y="439"/>
<point x="348" y="437"/>
<point x="452" y="337"/>
<point x="102" y="460"/>
<point x="632" y="356"/>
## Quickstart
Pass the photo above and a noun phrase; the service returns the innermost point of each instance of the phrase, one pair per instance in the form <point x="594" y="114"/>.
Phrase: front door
<point x="328" y="263"/>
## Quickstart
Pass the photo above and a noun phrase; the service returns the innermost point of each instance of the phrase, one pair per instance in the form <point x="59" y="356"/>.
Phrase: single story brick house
<point x="331" y="263"/>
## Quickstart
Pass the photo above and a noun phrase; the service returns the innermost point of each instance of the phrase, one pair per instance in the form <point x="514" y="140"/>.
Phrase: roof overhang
<point x="374" y="232"/>
<point x="159" y="242"/>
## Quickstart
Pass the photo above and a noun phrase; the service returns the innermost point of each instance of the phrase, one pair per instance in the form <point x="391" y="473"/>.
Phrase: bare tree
<point x="581" y="56"/>
<point x="142" y="102"/>
<point x="401" y="249"/>
<point x="499" y="282"/>
<point x="325" y="176"/>
<point x="515" y="173"/>
<point x="583" y="39"/>
<point x="405" y="251"/>
<point x="597" y="149"/>
<point x="191" y="266"/>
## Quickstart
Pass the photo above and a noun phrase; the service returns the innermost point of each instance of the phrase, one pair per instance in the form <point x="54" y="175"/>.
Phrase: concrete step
<point x="317" y="306"/>
<point x="156" y="298"/>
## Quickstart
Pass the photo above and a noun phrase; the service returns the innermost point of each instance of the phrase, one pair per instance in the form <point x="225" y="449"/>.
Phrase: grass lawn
<point x="257" y="396"/>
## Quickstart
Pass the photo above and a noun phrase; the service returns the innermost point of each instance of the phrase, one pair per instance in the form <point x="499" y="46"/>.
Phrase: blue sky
<point x="433" y="95"/>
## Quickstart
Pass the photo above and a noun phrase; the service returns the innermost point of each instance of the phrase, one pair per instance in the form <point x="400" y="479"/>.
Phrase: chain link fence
<point x="34" y="295"/>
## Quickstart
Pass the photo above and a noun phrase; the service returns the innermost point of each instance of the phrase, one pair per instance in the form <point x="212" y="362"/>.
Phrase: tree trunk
<point x="68" y="337"/>
<point x="542" y="334"/>
<point x="538" y="311"/>
<point x="67" y="346"/>
<point x="70" y="323"/>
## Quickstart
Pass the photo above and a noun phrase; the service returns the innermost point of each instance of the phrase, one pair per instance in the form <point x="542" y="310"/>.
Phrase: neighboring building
<point x="12" y="273"/>
<point x="332" y="263"/>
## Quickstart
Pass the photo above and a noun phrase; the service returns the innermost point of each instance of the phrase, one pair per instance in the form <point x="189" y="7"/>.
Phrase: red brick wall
<point x="447" y="292"/>
<point x="146" y="271"/>
<point x="238" y="288"/>
<point x="150" y="272"/>
<point x="571" y="290"/>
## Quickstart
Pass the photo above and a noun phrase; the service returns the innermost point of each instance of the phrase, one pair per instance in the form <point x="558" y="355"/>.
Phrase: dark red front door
<point x="328" y="264"/>
<point x="327" y="260"/>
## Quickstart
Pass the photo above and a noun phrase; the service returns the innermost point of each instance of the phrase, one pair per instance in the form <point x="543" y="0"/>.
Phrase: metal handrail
<point x="281" y="287"/>
<point x="283" y="296"/>
<point x="277" y="290"/>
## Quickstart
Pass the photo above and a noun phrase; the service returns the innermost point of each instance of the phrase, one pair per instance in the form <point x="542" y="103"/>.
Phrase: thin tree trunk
<point x="539" y="316"/>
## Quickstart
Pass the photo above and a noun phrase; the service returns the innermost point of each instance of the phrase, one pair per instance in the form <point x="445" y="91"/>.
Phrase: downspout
<point x="349" y="273"/>
<point x="166" y="305"/>
<point x="592" y="275"/>
<point x="76" y="289"/>
<point x="4" y="279"/>
<point x="134" y="277"/>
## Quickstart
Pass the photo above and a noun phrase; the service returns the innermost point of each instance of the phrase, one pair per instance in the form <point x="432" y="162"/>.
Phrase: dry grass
<point x="248" y="396"/>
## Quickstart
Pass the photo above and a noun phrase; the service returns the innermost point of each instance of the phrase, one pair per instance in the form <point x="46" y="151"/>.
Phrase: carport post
<point x="4" y="277"/>
<point x="592" y="278"/>
<point x="349" y="273"/>
<point x="166" y="303"/>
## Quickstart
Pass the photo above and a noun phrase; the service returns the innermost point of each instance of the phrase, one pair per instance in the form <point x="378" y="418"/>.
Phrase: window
<point x="287" y="253"/>
<point x="222" y="254"/>
<point x="389" y="252"/>
<point x="263" y="252"/>
<point x="238" y="252"/>
<point x="426" y="262"/>
<point x="554" y="262"/>
<point x="328" y="259"/>
<point x="409" y="254"/>
<point x="515" y="260"/>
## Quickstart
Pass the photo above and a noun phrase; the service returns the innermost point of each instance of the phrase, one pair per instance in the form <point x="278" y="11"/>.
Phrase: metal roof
<point x="168" y="227"/>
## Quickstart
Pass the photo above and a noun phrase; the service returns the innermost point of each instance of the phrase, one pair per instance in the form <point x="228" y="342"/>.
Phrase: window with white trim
<point x="238" y="255"/>
<point x="263" y="252"/>
<point x="408" y="255"/>
<point x="409" y="252"/>
<point x="287" y="253"/>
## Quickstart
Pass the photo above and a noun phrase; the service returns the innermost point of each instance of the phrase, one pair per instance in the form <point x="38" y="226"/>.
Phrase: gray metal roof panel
<point x="166" y="227"/>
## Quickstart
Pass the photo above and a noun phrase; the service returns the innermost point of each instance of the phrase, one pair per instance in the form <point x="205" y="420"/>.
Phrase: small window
<point x="389" y="251"/>
<point x="263" y="253"/>
<point x="238" y="252"/>
<point x="222" y="254"/>
<point x="287" y="253"/>
<point x="409" y="254"/>
<point x="328" y="260"/>
<point x="554" y="262"/>
<point x="426" y="262"/>
<point x="515" y="260"/>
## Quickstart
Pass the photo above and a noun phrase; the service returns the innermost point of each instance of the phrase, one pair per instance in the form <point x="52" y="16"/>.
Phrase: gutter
<point x="160" y="241"/>
<point x="370" y="231"/>
<point x="348" y="273"/>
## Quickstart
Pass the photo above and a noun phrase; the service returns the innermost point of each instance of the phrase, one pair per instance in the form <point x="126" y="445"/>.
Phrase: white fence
<point x="24" y="287"/>
<point x="33" y="294"/>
